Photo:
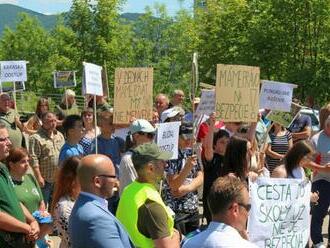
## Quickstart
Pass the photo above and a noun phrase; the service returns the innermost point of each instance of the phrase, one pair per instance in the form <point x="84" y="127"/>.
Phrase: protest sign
<point x="207" y="104"/>
<point x="12" y="71"/>
<point x="92" y="79"/>
<point x="284" y="118"/>
<point x="168" y="137"/>
<point x="64" y="79"/>
<point x="133" y="94"/>
<point x="276" y="95"/>
<point x="279" y="215"/>
<point x="12" y="86"/>
<point x="237" y="93"/>
<point x="206" y="86"/>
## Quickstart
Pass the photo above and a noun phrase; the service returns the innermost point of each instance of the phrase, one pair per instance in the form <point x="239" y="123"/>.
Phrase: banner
<point x="276" y="95"/>
<point x="92" y="79"/>
<point x="64" y="79"/>
<point x="168" y="137"/>
<point x="237" y="93"/>
<point x="133" y="94"/>
<point x="279" y="215"/>
<point x="12" y="71"/>
<point x="284" y="118"/>
<point x="12" y="86"/>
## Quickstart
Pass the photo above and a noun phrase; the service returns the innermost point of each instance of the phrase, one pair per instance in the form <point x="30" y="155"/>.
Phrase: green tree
<point x="32" y="43"/>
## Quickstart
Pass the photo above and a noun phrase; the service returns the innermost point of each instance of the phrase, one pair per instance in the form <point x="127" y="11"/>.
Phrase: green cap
<point x="147" y="152"/>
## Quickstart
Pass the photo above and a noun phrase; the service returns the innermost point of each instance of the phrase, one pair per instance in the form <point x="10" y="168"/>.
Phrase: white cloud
<point x="9" y="1"/>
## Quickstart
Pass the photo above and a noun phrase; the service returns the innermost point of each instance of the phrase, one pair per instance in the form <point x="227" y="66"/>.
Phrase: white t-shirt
<point x="218" y="235"/>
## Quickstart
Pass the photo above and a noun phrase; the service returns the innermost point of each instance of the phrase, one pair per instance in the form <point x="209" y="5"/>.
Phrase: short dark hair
<point x="69" y="122"/>
<point x="218" y="135"/>
<point x="225" y="191"/>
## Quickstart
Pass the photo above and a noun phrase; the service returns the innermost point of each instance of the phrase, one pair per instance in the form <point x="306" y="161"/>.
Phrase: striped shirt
<point x="279" y="144"/>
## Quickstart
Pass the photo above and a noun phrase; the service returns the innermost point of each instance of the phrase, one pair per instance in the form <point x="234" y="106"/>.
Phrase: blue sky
<point x="56" y="6"/>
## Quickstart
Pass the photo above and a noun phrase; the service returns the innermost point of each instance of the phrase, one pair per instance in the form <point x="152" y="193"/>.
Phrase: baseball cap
<point x="186" y="130"/>
<point x="147" y="152"/>
<point x="141" y="125"/>
<point x="171" y="112"/>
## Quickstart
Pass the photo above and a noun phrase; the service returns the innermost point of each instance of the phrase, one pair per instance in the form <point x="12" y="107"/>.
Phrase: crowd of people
<point x="97" y="184"/>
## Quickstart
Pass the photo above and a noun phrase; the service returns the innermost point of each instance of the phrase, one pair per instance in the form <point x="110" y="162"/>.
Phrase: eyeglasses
<point x="108" y="176"/>
<point x="246" y="206"/>
<point x="4" y="139"/>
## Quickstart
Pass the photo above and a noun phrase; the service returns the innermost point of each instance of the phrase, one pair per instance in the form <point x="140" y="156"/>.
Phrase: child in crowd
<point x="73" y="130"/>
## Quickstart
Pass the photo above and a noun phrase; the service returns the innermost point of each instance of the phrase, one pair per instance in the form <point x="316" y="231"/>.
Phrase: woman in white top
<point x="300" y="156"/>
<point x="66" y="192"/>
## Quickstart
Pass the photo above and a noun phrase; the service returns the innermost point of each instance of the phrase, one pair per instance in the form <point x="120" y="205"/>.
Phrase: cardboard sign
<point x="237" y="93"/>
<point x="92" y="79"/>
<point x="284" y="118"/>
<point x="12" y="86"/>
<point x="279" y="215"/>
<point x="12" y="71"/>
<point x="64" y="79"/>
<point x="133" y="94"/>
<point x="168" y="137"/>
<point x="276" y="95"/>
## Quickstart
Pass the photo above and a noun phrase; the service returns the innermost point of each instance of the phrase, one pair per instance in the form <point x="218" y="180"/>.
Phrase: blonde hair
<point x="68" y="93"/>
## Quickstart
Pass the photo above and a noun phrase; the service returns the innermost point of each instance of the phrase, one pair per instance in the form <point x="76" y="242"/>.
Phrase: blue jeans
<point x="320" y="210"/>
<point x="47" y="192"/>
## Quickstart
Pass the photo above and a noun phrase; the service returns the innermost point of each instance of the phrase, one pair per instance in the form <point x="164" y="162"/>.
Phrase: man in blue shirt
<point x="91" y="224"/>
<point x="73" y="130"/>
<point x="111" y="146"/>
<point x="107" y="143"/>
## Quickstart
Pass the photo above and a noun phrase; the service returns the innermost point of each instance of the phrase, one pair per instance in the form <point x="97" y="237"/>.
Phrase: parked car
<point x="314" y="114"/>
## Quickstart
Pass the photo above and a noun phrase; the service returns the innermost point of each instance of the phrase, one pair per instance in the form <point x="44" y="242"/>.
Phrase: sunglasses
<point x="107" y="176"/>
<point x="4" y="139"/>
<point x="246" y="206"/>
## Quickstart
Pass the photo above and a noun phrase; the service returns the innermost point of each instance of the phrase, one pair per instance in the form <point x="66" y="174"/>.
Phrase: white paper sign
<point x="12" y="71"/>
<point x="168" y="137"/>
<point x="276" y="95"/>
<point x="279" y="215"/>
<point x="93" y="79"/>
<point x="207" y="103"/>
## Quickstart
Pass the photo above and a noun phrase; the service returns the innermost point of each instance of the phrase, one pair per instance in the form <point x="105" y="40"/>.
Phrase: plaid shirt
<point x="44" y="151"/>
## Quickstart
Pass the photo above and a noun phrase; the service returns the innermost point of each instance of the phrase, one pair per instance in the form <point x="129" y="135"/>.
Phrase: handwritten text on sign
<point x="133" y="94"/>
<point x="237" y="92"/>
<point x="12" y="71"/>
<point x="206" y="105"/>
<point x="168" y="137"/>
<point x="279" y="216"/>
<point x="276" y="96"/>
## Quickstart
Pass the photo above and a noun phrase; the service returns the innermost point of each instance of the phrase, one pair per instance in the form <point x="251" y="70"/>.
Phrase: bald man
<point x="91" y="224"/>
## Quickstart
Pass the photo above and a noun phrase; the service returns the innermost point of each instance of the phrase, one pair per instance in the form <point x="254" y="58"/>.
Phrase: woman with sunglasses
<point x="87" y="116"/>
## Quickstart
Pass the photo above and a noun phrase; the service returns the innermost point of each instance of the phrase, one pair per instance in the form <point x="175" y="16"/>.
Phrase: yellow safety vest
<point x="133" y="196"/>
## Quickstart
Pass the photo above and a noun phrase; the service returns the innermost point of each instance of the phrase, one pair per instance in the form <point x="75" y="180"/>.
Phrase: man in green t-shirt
<point x="10" y="119"/>
<point x="17" y="226"/>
